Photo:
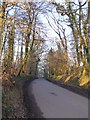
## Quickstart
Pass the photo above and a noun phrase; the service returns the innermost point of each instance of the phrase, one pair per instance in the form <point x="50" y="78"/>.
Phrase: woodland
<point x="47" y="39"/>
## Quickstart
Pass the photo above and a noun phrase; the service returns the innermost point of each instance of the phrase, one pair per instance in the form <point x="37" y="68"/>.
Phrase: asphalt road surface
<point x="57" y="102"/>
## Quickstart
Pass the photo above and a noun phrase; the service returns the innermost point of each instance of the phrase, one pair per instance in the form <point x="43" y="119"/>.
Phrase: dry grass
<point x="84" y="80"/>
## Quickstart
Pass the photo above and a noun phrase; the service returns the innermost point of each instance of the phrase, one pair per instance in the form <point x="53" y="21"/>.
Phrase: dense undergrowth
<point x="12" y="100"/>
<point x="76" y="76"/>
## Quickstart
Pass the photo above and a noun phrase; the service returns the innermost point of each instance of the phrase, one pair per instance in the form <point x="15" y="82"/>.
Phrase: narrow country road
<point x="57" y="102"/>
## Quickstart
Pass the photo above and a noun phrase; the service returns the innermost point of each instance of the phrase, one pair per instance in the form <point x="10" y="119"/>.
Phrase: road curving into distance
<point x="57" y="102"/>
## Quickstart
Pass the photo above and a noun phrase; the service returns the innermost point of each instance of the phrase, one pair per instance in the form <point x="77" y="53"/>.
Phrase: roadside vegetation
<point x="27" y="47"/>
<point x="60" y="65"/>
<point x="12" y="99"/>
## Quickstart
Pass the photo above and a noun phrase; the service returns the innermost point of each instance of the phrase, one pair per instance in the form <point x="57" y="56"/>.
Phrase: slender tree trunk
<point x="31" y="47"/>
<point x="11" y="49"/>
<point x="21" y="56"/>
<point x="71" y="16"/>
<point x="2" y="22"/>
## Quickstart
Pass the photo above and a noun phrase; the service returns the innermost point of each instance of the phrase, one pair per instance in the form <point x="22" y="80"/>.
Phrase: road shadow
<point x="33" y="110"/>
